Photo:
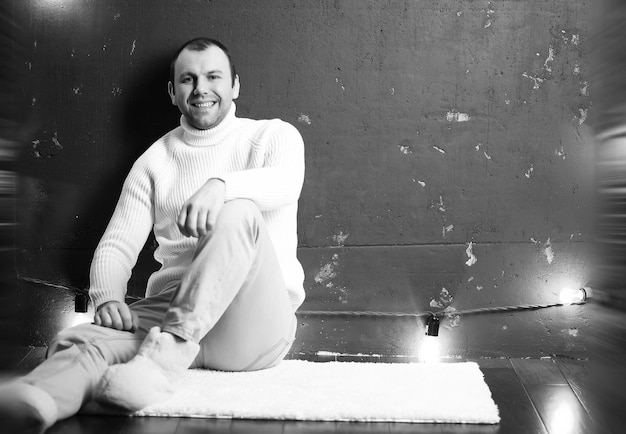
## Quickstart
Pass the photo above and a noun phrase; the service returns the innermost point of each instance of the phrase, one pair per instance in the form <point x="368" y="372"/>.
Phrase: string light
<point x="573" y="296"/>
<point x="430" y="347"/>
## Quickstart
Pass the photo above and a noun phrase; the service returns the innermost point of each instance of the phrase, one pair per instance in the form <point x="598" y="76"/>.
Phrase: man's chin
<point x="202" y="124"/>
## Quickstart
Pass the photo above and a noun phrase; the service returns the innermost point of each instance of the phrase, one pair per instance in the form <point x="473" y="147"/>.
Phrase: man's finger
<point x="116" y="320"/>
<point x="202" y="224"/>
<point x="182" y="219"/>
<point x="191" y="225"/>
<point x="135" y="319"/>
<point x="127" y="319"/>
<point x="106" y="319"/>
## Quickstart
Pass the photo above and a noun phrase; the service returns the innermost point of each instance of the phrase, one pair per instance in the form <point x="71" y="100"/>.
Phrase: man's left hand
<point x="198" y="215"/>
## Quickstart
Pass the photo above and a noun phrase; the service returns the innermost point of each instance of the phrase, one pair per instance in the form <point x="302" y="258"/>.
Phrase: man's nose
<point x="202" y="86"/>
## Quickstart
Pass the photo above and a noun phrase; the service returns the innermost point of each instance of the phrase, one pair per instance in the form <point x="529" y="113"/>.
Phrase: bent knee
<point x="77" y="335"/>
<point x="236" y="213"/>
<point x="114" y="345"/>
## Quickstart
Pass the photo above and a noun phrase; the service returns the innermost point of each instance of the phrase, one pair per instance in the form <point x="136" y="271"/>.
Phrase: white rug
<point x="337" y="391"/>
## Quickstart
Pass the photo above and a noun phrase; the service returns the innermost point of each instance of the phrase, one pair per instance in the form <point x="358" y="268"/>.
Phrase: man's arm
<point x="116" y="315"/>
<point x="279" y="181"/>
<point x="199" y="214"/>
<point x="275" y="184"/>
<point x="121" y="243"/>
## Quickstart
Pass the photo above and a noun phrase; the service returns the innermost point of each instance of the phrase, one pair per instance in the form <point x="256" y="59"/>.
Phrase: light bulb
<point x="572" y="296"/>
<point x="429" y="351"/>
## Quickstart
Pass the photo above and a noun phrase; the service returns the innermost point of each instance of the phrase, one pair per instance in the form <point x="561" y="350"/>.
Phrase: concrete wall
<point x="447" y="159"/>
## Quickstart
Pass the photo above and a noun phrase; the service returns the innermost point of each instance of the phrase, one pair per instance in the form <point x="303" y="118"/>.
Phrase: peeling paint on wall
<point x="340" y="239"/>
<point x="560" y="152"/>
<point x="343" y="88"/>
<point x="583" y="116"/>
<point x="529" y="171"/>
<point x="488" y="20"/>
<point x="584" y="89"/>
<point x="456" y="116"/>
<point x="327" y="273"/>
<point x="548" y="252"/>
<point x="405" y="149"/>
<point x="470" y="254"/>
<point x="441" y="206"/>
<point x="304" y="119"/>
<point x="536" y="80"/>
<point x="547" y="65"/>
<point x="452" y="319"/>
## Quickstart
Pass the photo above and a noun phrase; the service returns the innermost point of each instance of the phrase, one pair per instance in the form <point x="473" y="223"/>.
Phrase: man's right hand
<point x="116" y="315"/>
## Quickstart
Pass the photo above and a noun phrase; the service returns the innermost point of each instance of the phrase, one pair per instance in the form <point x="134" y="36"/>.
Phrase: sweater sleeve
<point x="279" y="180"/>
<point x="125" y="236"/>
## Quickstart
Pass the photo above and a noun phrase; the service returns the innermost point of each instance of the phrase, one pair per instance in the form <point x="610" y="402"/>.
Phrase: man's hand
<point x="116" y="315"/>
<point x="198" y="215"/>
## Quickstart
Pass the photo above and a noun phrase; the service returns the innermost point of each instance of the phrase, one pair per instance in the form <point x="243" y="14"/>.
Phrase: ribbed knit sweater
<point x="260" y="160"/>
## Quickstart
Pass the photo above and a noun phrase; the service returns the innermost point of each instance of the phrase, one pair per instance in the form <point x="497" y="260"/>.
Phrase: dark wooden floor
<point x="548" y="395"/>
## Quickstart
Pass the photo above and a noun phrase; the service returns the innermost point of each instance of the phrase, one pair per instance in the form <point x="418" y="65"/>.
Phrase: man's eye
<point x="185" y="79"/>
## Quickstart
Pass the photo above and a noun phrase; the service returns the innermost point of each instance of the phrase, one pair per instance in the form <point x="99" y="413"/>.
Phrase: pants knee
<point x="77" y="335"/>
<point x="238" y="213"/>
<point x="114" y="346"/>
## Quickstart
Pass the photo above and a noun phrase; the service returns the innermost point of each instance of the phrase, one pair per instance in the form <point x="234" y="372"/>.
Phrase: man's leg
<point x="77" y="357"/>
<point x="233" y="296"/>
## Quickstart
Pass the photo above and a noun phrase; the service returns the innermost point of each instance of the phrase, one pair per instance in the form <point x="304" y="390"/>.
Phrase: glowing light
<point x="572" y="296"/>
<point x="563" y="419"/>
<point x="429" y="352"/>
<point x="80" y="318"/>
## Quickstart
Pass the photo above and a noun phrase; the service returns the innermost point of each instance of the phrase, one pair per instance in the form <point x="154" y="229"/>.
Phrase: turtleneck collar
<point x="195" y="137"/>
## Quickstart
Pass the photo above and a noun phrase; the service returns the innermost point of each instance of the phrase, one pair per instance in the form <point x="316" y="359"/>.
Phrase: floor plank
<point x="441" y="428"/>
<point x="81" y="424"/>
<point x="517" y="413"/>
<point x="150" y="425"/>
<point x="576" y="372"/>
<point x="195" y="425"/>
<point x="301" y="427"/>
<point x="241" y="426"/>
<point x="555" y="401"/>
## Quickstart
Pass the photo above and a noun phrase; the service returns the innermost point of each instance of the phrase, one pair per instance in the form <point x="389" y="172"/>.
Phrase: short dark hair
<point x="201" y="44"/>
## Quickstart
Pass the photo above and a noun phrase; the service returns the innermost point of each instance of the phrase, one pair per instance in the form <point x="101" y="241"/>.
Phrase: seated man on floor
<point x="221" y="195"/>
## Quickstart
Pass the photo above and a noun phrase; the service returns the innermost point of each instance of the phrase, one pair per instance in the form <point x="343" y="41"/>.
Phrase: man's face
<point x="203" y="89"/>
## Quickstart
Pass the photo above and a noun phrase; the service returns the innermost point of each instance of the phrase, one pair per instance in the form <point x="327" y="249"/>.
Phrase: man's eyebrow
<point x="193" y="74"/>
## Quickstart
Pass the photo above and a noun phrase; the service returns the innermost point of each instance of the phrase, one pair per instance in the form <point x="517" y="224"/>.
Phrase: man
<point x="220" y="193"/>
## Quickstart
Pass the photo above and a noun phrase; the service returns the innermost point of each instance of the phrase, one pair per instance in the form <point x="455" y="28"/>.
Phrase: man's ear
<point x="170" y="91"/>
<point x="236" y="86"/>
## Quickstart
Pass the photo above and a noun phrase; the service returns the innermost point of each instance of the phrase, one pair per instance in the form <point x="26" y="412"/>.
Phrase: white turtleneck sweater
<point x="260" y="160"/>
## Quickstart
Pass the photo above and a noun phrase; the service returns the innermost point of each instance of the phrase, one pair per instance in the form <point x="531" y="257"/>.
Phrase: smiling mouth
<point x="204" y="104"/>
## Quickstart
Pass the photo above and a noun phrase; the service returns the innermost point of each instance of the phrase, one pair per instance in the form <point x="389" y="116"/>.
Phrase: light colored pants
<point x="232" y="300"/>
